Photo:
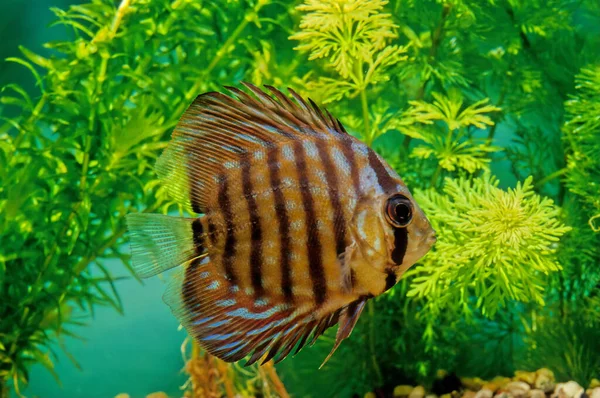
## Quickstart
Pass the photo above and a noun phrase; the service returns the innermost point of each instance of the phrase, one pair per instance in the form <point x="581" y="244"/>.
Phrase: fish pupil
<point x="399" y="211"/>
<point x="402" y="212"/>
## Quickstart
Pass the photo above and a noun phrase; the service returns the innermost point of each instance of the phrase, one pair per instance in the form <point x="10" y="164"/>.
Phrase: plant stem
<point x="193" y="91"/>
<point x="88" y="139"/>
<point x="228" y="384"/>
<point x="4" y="389"/>
<point x="561" y="296"/>
<point x="550" y="177"/>
<point x="277" y="384"/>
<point x="592" y="224"/>
<point x="365" y="111"/>
<point x="511" y="341"/>
<point x="83" y="263"/>
<point x="435" y="175"/>
<point x="436" y="40"/>
<point x="34" y="114"/>
<point x="195" y="350"/>
<point x="376" y="367"/>
<point x="119" y="16"/>
<point x="97" y="92"/>
<point x="533" y="54"/>
<point x="492" y="132"/>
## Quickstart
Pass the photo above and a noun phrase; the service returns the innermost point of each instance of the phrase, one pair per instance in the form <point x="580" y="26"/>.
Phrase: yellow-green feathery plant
<point x="452" y="144"/>
<point x="354" y="36"/>
<point x="493" y="244"/>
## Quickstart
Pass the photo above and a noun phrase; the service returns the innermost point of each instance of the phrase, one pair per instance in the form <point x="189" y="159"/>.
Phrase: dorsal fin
<point x="217" y="130"/>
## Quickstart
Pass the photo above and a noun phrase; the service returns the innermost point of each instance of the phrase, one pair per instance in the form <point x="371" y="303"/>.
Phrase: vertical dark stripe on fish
<point x="400" y="243"/>
<point x="230" y="240"/>
<point x="255" y="230"/>
<point x="188" y="292"/>
<point x="390" y="280"/>
<point x="198" y="235"/>
<point x="313" y="244"/>
<point x="348" y="152"/>
<point x="346" y="147"/>
<point x="331" y="176"/>
<point x="284" y="223"/>
<point x="212" y="231"/>
<point x="386" y="182"/>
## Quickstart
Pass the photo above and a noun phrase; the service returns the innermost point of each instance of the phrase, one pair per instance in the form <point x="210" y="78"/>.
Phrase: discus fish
<point x="298" y="225"/>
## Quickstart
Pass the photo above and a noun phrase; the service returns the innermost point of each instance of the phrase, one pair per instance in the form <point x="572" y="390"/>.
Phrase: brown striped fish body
<point x="298" y="225"/>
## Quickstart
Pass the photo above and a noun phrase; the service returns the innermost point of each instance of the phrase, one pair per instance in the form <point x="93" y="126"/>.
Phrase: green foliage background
<point x="462" y="97"/>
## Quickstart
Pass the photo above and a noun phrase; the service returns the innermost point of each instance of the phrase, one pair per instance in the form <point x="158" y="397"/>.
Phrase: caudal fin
<point x="160" y="242"/>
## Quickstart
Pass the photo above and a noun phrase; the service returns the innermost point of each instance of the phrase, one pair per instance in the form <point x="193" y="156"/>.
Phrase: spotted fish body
<point x="291" y="236"/>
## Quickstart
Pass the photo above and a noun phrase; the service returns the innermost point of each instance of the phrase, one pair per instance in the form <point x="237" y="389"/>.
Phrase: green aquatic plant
<point x="582" y="138"/>
<point x="80" y="155"/>
<point x="453" y="144"/>
<point x="476" y="107"/>
<point x="465" y="100"/>
<point x="345" y="31"/>
<point x="354" y="35"/>
<point x="569" y="347"/>
<point x="493" y="244"/>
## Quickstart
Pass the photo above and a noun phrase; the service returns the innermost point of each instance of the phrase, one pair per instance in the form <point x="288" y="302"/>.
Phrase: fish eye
<point x="399" y="211"/>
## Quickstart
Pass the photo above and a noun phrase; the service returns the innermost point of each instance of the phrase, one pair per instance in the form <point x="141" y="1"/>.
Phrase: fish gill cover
<point x="488" y="109"/>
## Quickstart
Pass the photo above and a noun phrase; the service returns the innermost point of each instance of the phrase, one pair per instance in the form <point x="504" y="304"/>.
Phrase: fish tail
<point x="159" y="242"/>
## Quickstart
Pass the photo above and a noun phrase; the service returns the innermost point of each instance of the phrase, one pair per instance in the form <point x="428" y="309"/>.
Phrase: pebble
<point x="537" y="393"/>
<point x="568" y="390"/>
<point x="493" y="387"/>
<point x="417" y="392"/>
<point x="469" y="394"/>
<point x="518" y="389"/>
<point x="158" y="394"/>
<point x="496" y="383"/>
<point x="544" y="380"/>
<point x="527" y="377"/>
<point x="402" y="391"/>
<point x="594" y="392"/>
<point x="484" y="393"/>
<point x="502" y="381"/>
<point x="472" y="383"/>
<point x="539" y="384"/>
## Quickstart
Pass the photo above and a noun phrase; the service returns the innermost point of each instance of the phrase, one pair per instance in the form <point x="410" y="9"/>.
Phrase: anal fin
<point x="231" y="324"/>
<point x="348" y="317"/>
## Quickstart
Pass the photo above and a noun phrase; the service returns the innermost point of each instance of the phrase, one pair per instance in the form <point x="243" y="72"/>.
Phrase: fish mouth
<point x="431" y="238"/>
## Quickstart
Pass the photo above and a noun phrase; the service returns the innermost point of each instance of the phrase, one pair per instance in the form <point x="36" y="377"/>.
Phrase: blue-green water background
<point x="138" y="352"/>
